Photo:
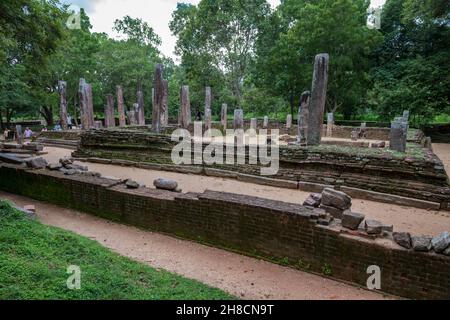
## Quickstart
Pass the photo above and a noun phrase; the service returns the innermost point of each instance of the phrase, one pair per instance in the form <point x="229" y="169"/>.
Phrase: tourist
<point x="28" y="133"/>
<point x="69" y="121"/>
<point x="6" y="134"/>
<point x="44" y="129"/>
<point x="57" y="127"/>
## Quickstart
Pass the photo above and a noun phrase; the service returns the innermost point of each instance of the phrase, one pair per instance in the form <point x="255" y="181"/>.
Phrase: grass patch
<point x="34" y="259"/>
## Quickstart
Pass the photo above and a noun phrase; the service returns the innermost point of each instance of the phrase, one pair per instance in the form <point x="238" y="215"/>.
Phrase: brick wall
<point x="269" y="229"/>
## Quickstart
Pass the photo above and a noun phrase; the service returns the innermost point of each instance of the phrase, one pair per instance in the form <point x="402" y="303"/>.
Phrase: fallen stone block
<point x="66" y="161"/>
<point x="421" y="243"/>
<point x="37" y="163"/>
<point x="314" y="200"/>
<point x="403" y="239"/>
<point x="131" y="184"/>
<point x="34" y="147"/>
<point x="352" y="220"/>
<point x="379" y="145"/>
<point x="373" y="227"/>
<point x="325" y="221"/>
<point x="71" y="172"/>
<point x="164" y="184"/>
<point x="336" y="199"/>
<point x="54" y="166"/>
<point x="30" y="208"/>
<point x="447" y="252"/>
<point x="8" y="158"/>
<point x="335" y="212"/>
<point x="76" y="167"/>
<point x="441" y="242"/>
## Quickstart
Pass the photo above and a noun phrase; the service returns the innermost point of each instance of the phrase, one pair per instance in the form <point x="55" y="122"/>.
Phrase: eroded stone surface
<point x="441" y="242"/>
<point x="352" y="220"/>
<point x="421" y="243"/>
<point x="403" y="239"/>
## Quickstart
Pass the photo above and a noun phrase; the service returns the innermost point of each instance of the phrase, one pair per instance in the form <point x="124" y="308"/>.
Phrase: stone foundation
<point x="417" y="174"/>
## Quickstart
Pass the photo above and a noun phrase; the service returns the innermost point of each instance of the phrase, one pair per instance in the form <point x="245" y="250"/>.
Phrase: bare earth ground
<point x="241" y="276"/>
<point x="404" y="219"/>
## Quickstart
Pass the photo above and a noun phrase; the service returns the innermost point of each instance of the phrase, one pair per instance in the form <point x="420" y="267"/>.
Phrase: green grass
<point x="34" y="259"/>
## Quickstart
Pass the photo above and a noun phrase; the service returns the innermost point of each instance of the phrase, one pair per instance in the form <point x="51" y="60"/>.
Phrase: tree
<point x="412" y="71"/>
<point x="30" y="31"/>
<point x="306" y="28"/>
<point x="217" y="37"/>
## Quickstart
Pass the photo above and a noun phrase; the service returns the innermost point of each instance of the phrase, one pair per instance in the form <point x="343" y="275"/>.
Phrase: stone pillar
<point x="158" y="85"/>
<point x="208" y="99"/>
<point x="406" y="116"/>
<point x="141" y="106"/>
<point x="62" y="88"/>
<point x="399" y="135"/>
<point x="254" y="124"/>
<point x="289" y="122"/>
<point x="90" y="110"/>
<point x="165" y="105"/>
<point x="208" y="120"/>
<point x="19" y="134"/>
<point x="303" y="117"/>
<point x="238" y="119"/>
<point x="110" y="119"/>
<point x="266" y="122"/>
<point x="330" y="124"/>
<point x="121" y="107"/>
<point x="318" y="99"/>
<point x="132" y="117"/>
<point x="84" y="104"/>
<point x="185" y="117"/>
<point x="224" y="116"/>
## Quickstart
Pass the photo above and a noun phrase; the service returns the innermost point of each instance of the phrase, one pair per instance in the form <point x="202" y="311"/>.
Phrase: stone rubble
<point x="165" y="184"/>
<point x="352" y="220"/>
<point x="441" y="242"/>
<point x="403" y="239"/>
<point x="421" y="243"/>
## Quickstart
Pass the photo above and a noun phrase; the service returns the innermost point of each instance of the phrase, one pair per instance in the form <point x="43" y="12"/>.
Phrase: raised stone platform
<point x="416" y="174"/>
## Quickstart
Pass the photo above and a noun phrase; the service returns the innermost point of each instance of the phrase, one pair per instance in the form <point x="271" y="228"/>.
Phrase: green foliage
<point x="34" y="259"/>
<point x="413" y="68"/>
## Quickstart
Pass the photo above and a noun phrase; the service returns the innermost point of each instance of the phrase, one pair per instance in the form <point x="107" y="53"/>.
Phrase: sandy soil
<point x="405" y="219"/>
<point x="241" y="276"/>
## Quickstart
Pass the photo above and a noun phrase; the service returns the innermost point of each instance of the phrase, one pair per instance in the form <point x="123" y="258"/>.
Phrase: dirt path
<point x="241" y="276"/>
<point x="405" y="219"/>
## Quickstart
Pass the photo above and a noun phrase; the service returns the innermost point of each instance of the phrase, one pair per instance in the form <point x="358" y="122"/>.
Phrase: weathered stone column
<point x="185" y="117"/>
<point x="62" y="88"/>
<point x="110" y="119"/>
<point x="208" y="120"/>
<point x="121" y="107"/>
<point x="165" y="105"/>
<point x="208" y="98"/>
<point x="318" y="99"/>
<point x="19" y="134"/>
<point x="254" y="124"/>
<point x="132" y="117"/>
<point x="83" y="97"/>
<point x="289" y="122"/>
<point x="224" y="116"/>
<point x="406" y="116"/>
<point x="90" y="110"/>
<point x="141" y="106"/>
<point x="137" y="115"/>
<point x="303" y="115"/>
<point x="158" y="85"/>
<point x="330" y="124"/>
<point x="399" y="135"/>
<point x="238" y="119"/>
<point x="266" y="122"/>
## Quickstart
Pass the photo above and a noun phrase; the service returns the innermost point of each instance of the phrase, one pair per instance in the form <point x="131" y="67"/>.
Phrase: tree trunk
<point x="2" y="125"/>
<point x="9" y="113"/>
<point x="47" y="113"/>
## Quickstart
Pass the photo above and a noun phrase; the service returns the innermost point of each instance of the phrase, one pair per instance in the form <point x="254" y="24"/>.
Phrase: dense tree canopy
<point x="253" y="56"/>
